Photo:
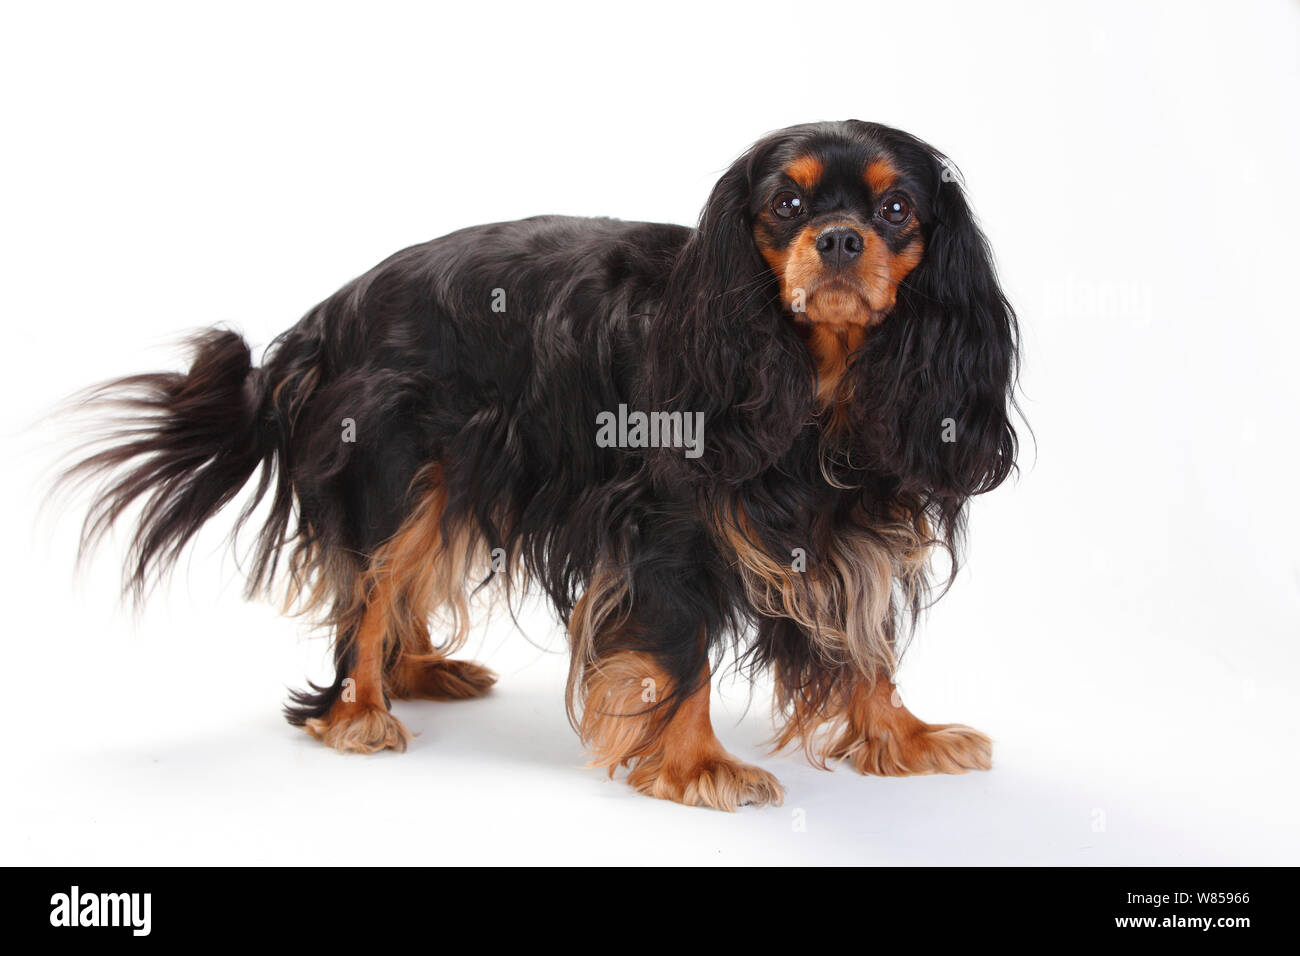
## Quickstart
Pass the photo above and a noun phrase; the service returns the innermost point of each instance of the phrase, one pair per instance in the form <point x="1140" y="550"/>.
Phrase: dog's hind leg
<point x="430" y="565"/>
<point x="424" y="567"/>
<point x="359" y="720"/>
<point x="434" y="676"/>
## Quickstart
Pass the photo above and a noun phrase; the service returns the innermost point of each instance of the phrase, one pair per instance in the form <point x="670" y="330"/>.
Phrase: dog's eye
<point x="895" y="211"/>
<point x="787" y="205"/>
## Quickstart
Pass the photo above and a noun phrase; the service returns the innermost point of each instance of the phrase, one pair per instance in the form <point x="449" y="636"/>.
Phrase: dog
<point x="808" y="387"/>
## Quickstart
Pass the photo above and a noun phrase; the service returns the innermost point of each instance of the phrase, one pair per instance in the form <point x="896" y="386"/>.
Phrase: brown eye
<point x="895" y="211"/>
<point x="787" y="205"/>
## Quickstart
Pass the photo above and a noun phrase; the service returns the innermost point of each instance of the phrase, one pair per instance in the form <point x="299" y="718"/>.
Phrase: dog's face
<point x="838" y="220"/>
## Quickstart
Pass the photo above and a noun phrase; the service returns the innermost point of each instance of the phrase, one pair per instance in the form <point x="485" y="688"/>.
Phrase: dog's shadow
<point x="526" y="722"/>
<point x="1010" y="816"/>
<point x="516" y="724"/>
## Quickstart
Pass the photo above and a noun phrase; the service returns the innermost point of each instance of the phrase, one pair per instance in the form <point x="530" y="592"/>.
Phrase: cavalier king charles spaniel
<point x="741" y="440"/>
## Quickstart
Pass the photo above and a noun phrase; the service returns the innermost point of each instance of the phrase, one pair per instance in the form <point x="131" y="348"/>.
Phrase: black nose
<point x="839" y="245"/>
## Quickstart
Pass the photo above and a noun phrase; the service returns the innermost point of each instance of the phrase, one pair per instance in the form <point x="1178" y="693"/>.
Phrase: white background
<point x="1126" y="627"/>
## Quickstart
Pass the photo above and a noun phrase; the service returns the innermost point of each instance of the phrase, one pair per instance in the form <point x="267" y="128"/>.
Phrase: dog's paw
<point x="930" y="748"/>
<point x="440" y="678"/>
<point x="721" y="782"/>
<point x="361" y="730"/>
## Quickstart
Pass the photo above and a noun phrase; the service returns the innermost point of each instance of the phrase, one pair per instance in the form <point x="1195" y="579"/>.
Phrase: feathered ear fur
<point x="721" y="347"/>
<point x="933" y="386"/>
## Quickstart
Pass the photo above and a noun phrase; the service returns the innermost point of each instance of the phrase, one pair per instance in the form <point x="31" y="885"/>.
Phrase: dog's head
<point x="837" y="214"/>
<point x="839" y="264"/>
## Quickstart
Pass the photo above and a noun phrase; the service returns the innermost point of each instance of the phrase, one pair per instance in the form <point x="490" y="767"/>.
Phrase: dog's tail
<point x="181" y="446"/>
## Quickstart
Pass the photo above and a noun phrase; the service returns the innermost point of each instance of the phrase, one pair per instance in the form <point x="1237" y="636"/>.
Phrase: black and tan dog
<point x="835" y="326"/>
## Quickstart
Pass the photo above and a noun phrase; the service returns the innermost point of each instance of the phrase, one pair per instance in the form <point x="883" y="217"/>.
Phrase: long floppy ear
<point x="933" y="390"/>
<point x="720" y="346"/>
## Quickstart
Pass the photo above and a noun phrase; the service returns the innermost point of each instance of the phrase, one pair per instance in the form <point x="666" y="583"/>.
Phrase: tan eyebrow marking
<point x="806" y="171"/>
<point x="880" y="176"/>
